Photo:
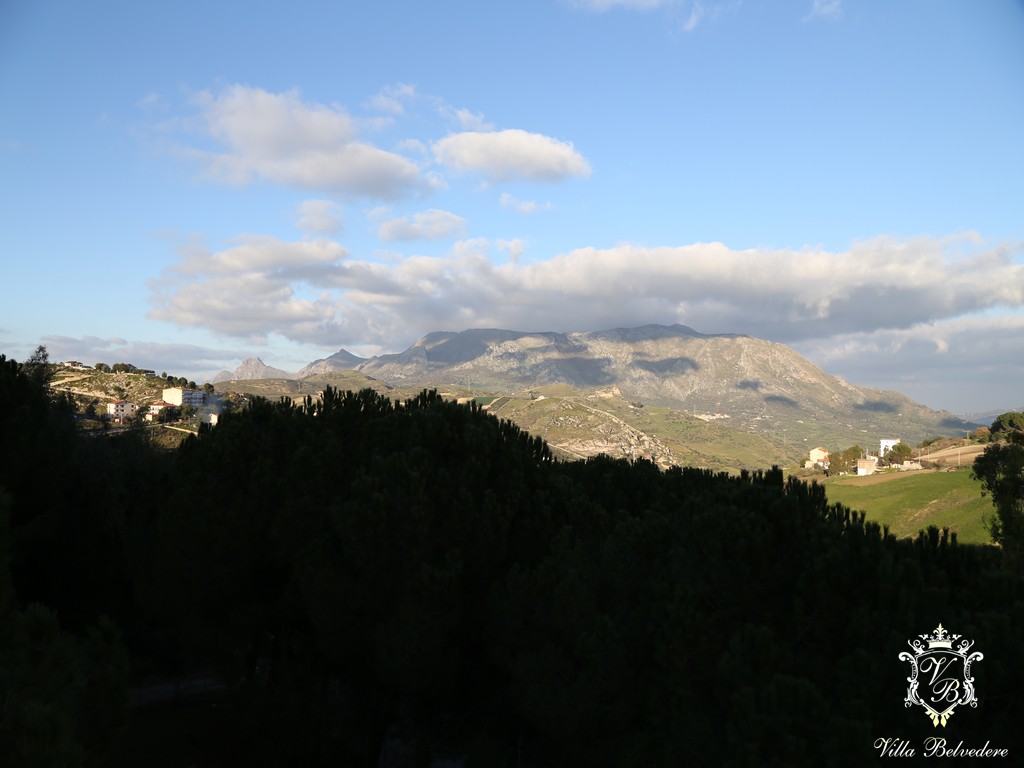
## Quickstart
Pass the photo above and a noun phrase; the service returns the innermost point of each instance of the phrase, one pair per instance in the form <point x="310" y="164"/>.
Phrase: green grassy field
<point x="910" y="502"/>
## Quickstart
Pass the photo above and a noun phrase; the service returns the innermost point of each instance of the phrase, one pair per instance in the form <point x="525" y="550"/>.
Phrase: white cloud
<point x="789" y="294"/>
<point x="259" y="253"/>
<point x="954" y="363"/>
<point x="514" y="248"/>
<point x="321" y="216"/>
<point x="472" y="121"/>
<point x="249" y="306"/>
<point x="433" y="224"/>
<point x="886" y="285"/>
<point x="825" y="9"/>
<point x="176" y="359"/>
<point x="510" y="154"/>
<point x="689" y="14"/>
<point x="249" y="290"/>
<point x="413" y="146"/>
<point x="258" y="123"/>
<point x="151" y="101"/>
<point x="392" y="98"/>
<point x="605" y="5"/>
<point x="696" y="13"/>
<point x="522" y="206"/>
<point x="281" y="138"/>
<point x="465" y="119"/>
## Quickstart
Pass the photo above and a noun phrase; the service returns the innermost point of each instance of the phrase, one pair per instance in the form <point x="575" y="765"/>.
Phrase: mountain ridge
<point x="750" y="384"/>
<point x="253" y="368"/>
<point x="760" y="385"/>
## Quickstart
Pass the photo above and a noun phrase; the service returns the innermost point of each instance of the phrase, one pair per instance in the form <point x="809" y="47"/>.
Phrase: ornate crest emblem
<point x="940" y="678"/>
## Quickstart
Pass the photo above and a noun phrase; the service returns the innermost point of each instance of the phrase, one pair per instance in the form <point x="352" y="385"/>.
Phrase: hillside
<point x="89" y="385"/>
<point x="749" y="384"/>
<point x="584" y="423"/>
<point x="342" y="360"/>
<point x="668" y="393"/>
<point x="957" y="456"/>
<point x="300" y="566"/>
<point x="908" y="502"/>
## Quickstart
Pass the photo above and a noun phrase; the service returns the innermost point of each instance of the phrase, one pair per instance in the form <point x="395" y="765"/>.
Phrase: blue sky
<point x="187" y="185"/>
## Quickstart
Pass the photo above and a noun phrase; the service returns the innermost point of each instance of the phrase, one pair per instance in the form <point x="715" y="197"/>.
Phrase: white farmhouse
<point x="819" y="457"/>
<point x="867" y="466"/>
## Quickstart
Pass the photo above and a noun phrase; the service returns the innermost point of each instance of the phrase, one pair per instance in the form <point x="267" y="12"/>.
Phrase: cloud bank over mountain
<point x="317" y="292"/>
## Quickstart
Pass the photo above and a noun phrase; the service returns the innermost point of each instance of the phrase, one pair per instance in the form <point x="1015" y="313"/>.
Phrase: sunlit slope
<point x="577" y="424"/>
<point x="749" y="384"/>
<point x="911" y="501"/>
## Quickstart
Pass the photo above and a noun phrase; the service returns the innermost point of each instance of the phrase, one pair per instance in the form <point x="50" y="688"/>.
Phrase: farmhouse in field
<point x="818" y="457"/>
<point x="867" y="466"/>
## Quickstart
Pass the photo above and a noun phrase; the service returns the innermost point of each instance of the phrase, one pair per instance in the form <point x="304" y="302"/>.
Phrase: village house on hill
<point x="180" y="396"/>
<point x="155" y="408"/>
<point x="121" y="410"/>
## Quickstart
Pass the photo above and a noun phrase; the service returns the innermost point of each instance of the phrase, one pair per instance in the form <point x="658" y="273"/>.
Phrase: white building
<point x="819" y="457"/>
<point x="886" y="445"/>
<point x="179" y="396"/>
<point x="867" y="466"/>
<point x="155" y="408"/>
<point x="121" y="410"/>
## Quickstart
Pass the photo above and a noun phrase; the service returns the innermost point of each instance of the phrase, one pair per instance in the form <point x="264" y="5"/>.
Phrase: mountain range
<point x="740" y="382"/>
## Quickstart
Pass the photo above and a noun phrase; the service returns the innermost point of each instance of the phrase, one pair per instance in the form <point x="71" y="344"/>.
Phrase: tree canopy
<point x="1001" y="472"/>
<point x="845" y="461"/>
<point x="359" y="572"/>
<point x="899" y="453"/>
<point x="1007" y="423"/>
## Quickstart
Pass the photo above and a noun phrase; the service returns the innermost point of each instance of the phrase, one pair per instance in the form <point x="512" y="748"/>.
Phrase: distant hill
<point x="746" y="383"/>
<point x="342" y="360"/>
<point x="253" y="368"/>
<point x="652" y="385"/>
<point x="986" y="418"/>
<point x="100" y="388"/>
<point x="294" y="388"/>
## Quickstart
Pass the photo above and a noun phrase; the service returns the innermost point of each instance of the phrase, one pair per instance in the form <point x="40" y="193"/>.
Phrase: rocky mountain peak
<point x="255" y="368"/>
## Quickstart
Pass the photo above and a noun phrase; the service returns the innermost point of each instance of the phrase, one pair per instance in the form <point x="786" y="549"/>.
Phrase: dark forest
<point x="368" y="582"/>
